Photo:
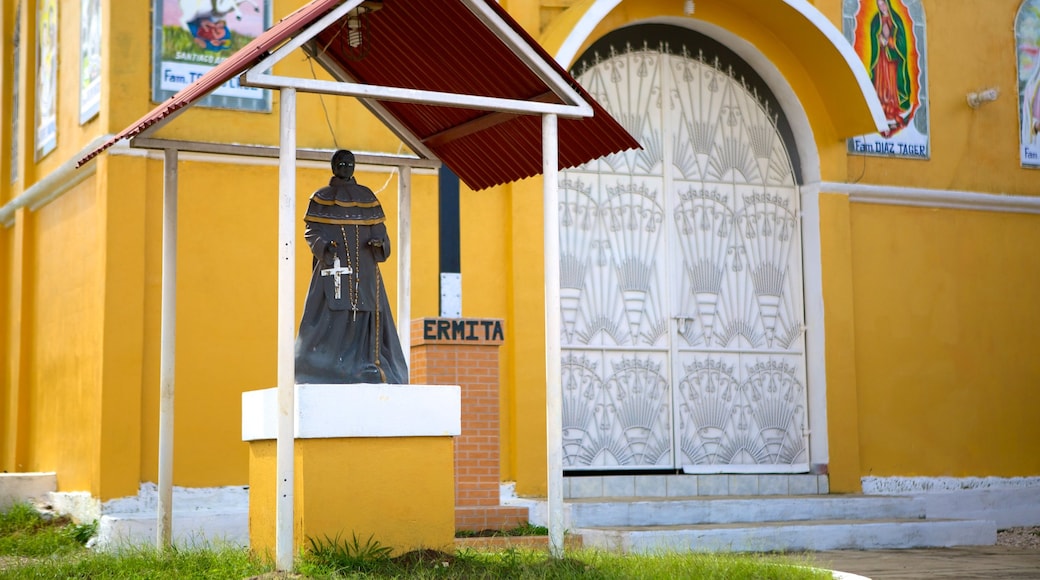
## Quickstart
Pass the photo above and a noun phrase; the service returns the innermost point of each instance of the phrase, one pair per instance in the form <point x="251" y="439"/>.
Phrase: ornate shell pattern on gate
<point x="681" y="284"/>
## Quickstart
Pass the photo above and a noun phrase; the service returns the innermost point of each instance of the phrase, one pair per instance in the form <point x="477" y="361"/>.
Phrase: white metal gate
<point x="681" y="278"/>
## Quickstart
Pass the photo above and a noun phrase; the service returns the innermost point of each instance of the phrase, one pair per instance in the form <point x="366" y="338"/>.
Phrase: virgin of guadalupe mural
<point x="889" y="66"/>
<point x="888" y="35"/>
<point x="1027" y="39"/>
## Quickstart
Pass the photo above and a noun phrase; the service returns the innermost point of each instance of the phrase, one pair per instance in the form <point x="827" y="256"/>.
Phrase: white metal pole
<point x="404" y="260"/>
<point x="286" y="330"/>
<point x="553" y="384"/>
<point x="167" y="352"/>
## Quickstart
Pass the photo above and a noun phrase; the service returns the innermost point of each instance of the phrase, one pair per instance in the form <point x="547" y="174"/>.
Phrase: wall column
<point x="464" y="352"/>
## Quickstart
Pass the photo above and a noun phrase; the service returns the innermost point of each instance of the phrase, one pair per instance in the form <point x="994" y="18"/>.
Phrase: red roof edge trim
<point x="540" y="50"/>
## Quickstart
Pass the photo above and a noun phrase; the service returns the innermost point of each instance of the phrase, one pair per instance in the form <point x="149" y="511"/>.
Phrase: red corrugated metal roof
<point x="437" y="45"/>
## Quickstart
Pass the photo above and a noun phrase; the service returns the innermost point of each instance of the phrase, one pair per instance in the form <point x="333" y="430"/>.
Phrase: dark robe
<point x="352" y="338"/>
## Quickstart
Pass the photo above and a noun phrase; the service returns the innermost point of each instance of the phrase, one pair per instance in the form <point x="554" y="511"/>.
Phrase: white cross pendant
<point x="336" y="272"/>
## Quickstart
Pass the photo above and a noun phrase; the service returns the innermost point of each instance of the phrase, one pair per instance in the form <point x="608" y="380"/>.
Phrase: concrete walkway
<point x="963" y="563"/>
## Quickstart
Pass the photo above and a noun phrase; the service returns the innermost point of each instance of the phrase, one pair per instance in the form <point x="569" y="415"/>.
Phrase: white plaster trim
<point x="1007" y="501"/>
<point x="599" y="10"/>
<point x="55" y="183"/>
<point x="79" y="505"/>
<point x="568" y="50"/>
<point x="836" y="38"/>
<point x="908" y="485"/>
<point x="815" y="336"/>
<point x="206" y="516"/>
<point x="84" y="507"/>
<point x="938" y="198"/>
<point x="362" y="410"/>
<point x="224" y="498"/>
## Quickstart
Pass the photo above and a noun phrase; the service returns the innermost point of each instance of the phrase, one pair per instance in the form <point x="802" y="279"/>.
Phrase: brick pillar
<point x="464" y="352"/>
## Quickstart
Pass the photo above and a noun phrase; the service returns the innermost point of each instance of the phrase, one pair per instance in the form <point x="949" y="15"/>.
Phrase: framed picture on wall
<point x="889" y="37"/>
<point x="1027" y="44"/>
<point x="191" y="37"/>
<point x="46" y="77"/>
<point x="89" y="59"/>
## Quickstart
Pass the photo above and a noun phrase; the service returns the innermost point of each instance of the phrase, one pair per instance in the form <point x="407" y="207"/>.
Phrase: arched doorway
<point x="681" y="268"/>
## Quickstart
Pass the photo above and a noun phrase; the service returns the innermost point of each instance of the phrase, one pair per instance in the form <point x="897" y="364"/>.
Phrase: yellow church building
<point x="818" y="274"/>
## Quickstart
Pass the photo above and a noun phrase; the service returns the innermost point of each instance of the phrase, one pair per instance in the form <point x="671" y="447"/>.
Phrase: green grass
<point x="523" y="564"/>
<point x="25" y="533"/>
<point x="143" y="562"/>
<point x="176" y="39"/>
<point x="31" y="547"/>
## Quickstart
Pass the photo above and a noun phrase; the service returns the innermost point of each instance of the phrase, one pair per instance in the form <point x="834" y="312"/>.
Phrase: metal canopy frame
<point x="287" y="153"/>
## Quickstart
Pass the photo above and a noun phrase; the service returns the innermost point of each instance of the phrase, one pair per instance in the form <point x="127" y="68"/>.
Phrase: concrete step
<point x="200" y="516"/>
<point x="786" y="536"/>
<point x="20" y="487"/>
<point x="605" y="512"/>
<point x="190" y="528"/>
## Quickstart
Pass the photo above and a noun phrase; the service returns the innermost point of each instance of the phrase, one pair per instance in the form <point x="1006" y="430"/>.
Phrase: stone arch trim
<point x="824" y="38"/>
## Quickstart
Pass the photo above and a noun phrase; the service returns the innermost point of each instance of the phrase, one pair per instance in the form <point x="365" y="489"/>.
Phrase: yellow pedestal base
<point x="399" y="491"/>
<point x="370" y="462"/>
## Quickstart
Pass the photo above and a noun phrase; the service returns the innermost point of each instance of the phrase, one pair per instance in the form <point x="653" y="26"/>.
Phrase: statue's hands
<point x="376" y="242"/>
<point x="330" y="254"/>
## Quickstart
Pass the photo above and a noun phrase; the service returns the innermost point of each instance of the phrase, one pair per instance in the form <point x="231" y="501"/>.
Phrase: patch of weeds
<point x="337" y="556"/>
<point x="524" y="529"/>
<point x="81" y="533"/>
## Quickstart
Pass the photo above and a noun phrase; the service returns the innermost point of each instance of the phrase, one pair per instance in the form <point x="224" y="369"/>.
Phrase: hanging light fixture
<point x="688" y="7"/>
<point x="358" y="41"/>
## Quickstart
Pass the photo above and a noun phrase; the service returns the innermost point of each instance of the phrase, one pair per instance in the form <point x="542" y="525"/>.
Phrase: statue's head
<point x="343" y="164"/>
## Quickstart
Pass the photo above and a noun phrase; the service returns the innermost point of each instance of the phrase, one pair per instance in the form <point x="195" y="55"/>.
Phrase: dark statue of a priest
<point x="347" y="334"/>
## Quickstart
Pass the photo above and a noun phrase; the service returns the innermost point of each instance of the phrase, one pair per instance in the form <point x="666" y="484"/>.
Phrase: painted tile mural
<point x="190" y="37"/>
<point x="1027" y="41"/>
<point x="89" y="59"/>
<point x="16" y="53"/>
<point x="46" y="77"/>
<point x="889" y="37"/>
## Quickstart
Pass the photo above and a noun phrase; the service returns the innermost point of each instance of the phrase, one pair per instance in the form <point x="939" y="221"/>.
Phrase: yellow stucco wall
<point x="839" y="329"/>
<point x="81" y="276"/>
<point x="926" y="325"/>
<point x="63" y="359"/>
<point x="946" y="331"/>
